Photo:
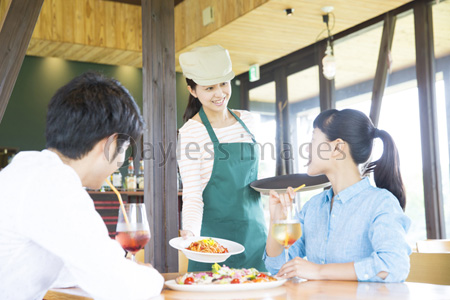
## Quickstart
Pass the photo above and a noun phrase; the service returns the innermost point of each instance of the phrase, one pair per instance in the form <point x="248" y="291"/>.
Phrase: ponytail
<point x="386" y="170"/>
<point x="194" y="105"/>
<point x="355" y="128"/>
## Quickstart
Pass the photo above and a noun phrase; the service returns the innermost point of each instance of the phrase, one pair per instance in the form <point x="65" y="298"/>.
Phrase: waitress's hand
<point x="285" y="200"/>
<point x="185" y="234"/>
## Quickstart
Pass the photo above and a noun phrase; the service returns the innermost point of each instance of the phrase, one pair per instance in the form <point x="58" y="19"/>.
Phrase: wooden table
<point x="304" y="290"/>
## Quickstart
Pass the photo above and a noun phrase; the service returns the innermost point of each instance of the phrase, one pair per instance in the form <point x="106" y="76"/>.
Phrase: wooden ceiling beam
<point x="254" y="31"/>
<point x="383" y="67"/>
<point x="15" y="36"/>
<point x="139" y="2"/>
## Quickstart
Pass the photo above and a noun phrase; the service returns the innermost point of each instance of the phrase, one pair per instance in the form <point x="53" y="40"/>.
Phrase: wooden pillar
<point x="245" y="101"/>
<point x="326" y="86"/>
<point x="284" y="162"/>
<point x="15" y="36"/>
<point x="159" y="110"/>
<point x="381" y="74"/>
<point x="425" y="71"/>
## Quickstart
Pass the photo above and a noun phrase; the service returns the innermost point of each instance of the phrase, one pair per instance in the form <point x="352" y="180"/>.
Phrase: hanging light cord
<point x="330" y="37"/>
<point x="326" y="19"/>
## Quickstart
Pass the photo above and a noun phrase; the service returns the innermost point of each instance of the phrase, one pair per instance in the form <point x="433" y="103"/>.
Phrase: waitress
<point x="218" y="159"/>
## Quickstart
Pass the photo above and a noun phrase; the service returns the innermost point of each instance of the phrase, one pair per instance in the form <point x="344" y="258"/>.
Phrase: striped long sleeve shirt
<point x="196" y="158"/>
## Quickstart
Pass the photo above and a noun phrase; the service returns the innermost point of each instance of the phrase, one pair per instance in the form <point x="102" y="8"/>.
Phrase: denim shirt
<point x="366" y="226"/>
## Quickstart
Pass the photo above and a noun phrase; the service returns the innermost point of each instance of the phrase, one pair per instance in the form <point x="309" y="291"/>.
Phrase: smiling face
<point x="213" y="97"/>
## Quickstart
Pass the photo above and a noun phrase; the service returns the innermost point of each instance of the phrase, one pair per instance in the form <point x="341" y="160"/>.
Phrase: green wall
<point x="23" y="124"/>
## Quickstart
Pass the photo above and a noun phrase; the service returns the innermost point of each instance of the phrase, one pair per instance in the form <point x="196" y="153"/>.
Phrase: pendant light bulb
<point x="329" y="64"/>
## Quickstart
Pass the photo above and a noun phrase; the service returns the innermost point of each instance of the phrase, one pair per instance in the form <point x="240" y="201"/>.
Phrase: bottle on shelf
<point x="140" y="177"/>
<point x="104" y="187"/>
<point x="131" y="177"/>
<point x="116" y="179"/>
<point x="179" y="182"/>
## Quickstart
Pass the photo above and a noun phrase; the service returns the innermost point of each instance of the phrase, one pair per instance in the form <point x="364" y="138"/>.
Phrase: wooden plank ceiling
<point x="254" y="31"/>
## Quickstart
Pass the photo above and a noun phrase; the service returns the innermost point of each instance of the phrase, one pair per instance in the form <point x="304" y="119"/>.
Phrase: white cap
<point x="207" y="65"/>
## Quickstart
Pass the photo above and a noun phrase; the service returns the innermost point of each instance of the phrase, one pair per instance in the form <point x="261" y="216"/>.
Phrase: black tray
<point x="280" y="183"/>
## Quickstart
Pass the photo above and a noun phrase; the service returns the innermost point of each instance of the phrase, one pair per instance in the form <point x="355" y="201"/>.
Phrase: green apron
<point x="232" y="210"/>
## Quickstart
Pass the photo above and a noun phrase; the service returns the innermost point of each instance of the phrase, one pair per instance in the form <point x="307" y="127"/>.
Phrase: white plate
<point x="223" y="287"/>
<point x="181" y="244"/>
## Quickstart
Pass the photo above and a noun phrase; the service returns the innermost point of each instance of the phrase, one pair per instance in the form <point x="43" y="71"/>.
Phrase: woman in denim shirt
<point x="353" y="231"/>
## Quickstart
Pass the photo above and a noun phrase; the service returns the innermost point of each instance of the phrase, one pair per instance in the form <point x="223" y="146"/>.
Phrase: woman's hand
<point x="285" y="200"/>
<point x="300" y="268"/>
<point x="185" y="234"/>
<point x="309" y="270"/>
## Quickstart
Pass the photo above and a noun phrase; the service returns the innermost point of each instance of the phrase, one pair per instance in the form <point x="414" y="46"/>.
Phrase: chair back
<point x="182" y="263"/>
<point x="430" y="268"/>
<point x="140" y="256"/>
<point x="433" y="246"/>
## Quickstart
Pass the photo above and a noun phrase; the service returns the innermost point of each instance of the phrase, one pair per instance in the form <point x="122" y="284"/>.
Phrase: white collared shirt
<point x="50" y="233"/>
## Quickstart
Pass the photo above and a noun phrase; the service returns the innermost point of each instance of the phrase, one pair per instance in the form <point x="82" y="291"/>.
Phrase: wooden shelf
<point x="107" y="205"/>
<point x="130" y="193"/>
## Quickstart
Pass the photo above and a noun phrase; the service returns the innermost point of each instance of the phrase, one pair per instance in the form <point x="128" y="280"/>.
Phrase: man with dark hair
<point x="50" y="232"/>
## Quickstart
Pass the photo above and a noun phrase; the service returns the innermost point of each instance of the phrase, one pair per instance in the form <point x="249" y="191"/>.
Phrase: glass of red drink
<point x="134" y="234"/>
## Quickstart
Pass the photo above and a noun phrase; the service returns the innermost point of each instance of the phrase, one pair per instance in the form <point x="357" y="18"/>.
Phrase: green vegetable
<point x="215" y="268"/>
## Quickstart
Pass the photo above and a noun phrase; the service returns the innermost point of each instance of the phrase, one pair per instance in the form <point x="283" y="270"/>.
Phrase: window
<point x="400" y="117"/>
<point x="303" y="95"/>
<point x="262" y="105"/>
<point x="356" y="59"/>
<point x="441" y="23"/>
<point x="356" y="63"/>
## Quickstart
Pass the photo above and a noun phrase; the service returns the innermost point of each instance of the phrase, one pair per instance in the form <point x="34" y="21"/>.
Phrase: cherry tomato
<point x="261" y="275"/>
<point x="236" y="280"/>
<point x="189" y="280"/>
